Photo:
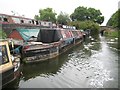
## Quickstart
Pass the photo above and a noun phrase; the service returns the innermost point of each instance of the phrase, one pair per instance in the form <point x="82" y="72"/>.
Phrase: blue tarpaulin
<point x="28" y="33"/>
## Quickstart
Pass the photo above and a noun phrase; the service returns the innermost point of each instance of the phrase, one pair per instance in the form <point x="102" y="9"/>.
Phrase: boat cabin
<point x="7" y="67"/>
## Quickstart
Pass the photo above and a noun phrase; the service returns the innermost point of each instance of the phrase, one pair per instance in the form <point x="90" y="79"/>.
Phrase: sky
<point x="30" y="8"/>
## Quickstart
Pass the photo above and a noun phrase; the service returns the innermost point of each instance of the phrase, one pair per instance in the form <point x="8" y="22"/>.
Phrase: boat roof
<point x="15" y="16"/>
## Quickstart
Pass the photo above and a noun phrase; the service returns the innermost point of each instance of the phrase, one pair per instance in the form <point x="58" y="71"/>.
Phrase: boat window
<point x="22" y="21"/>
<point x="3" y="55"/>
<point x="37" y="23"/>
<point x="29" y="21"/>
<point x="0" y="18"/>
<point x="16" y="20"/>
<point x="49" y="24"/>
<point x="32" y="21"/>
<point x="40" y="23"/>
<point x="44" y="22"/>
<point x="5" y="19"/>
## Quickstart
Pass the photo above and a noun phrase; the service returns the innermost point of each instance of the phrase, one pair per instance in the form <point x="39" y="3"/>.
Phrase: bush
<point x="112" y="33"/>
<point x="94" y="27"/>
<point x="2" y="34"/>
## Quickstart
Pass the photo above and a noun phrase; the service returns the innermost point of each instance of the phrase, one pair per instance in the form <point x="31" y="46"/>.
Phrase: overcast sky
<point x="29" y="8"/>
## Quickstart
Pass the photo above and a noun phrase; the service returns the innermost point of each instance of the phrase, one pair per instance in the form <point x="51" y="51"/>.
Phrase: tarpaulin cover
<point x="49" y="35"/>
<point x="28" y="33"/>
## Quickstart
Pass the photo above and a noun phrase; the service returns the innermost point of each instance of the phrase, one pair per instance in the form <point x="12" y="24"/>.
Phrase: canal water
<point x="92" y="64"/>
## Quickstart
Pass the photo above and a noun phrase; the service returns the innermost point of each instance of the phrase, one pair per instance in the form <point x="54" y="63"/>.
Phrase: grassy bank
<point x="113" y="34"/>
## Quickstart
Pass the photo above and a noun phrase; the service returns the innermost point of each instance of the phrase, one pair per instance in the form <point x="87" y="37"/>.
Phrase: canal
<point x="92" y="64"/>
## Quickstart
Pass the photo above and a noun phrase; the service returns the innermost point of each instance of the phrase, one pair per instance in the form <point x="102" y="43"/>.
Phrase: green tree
<point x="95" y="15"/>
<point x="46" y="15"/>
<point x="84" y="13"/>
<point x="63" y="18"/>
<point x="114" y="19"/>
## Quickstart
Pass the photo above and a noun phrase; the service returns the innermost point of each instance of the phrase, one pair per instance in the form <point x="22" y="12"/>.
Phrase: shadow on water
<point x="92" y="64"/>
<point x="49" y="67"/>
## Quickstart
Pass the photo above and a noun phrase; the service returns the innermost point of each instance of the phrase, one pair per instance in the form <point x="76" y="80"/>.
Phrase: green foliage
<point x="75" y="23"/>
<point x="2" y="34"/>
<point x="37" y="17"/>
<point x="112" y="33"/>
<point x="94" y="27"/>
<point x="46" y="15"/>
<point x="113" y="21"/>
<point x="84" y="13"/>
<point x="63" y="18"/>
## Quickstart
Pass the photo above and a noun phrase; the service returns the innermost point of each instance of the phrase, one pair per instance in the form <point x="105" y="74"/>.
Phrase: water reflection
<point x="42" y="69"/>
<point x="93" y="64"/>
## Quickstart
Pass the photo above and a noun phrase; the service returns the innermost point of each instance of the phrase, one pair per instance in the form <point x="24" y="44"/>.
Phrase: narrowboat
<point x="45" y="43"/>
<point x="9" y="65"/>
<point x="41" y="40"/>
<point x="11" y="22"/>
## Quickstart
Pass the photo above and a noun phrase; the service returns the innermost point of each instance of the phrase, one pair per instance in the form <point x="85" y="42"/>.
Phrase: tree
<point x="84" y="13"/>
<point x="95" y="15"/>
<point x="63" y="18"/>
<point x="114" y="19"/>
<point x="46" y="15"/>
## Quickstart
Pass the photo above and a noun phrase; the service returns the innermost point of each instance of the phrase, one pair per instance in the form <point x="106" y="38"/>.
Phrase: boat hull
<point x="53" y="51"/>
<point x="41" y="54"/>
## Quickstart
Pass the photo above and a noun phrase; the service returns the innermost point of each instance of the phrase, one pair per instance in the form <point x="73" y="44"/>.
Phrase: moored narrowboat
<point x="9" y="65"/>
<point x="41" y="40"/>
<point x="47" y="43"/>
